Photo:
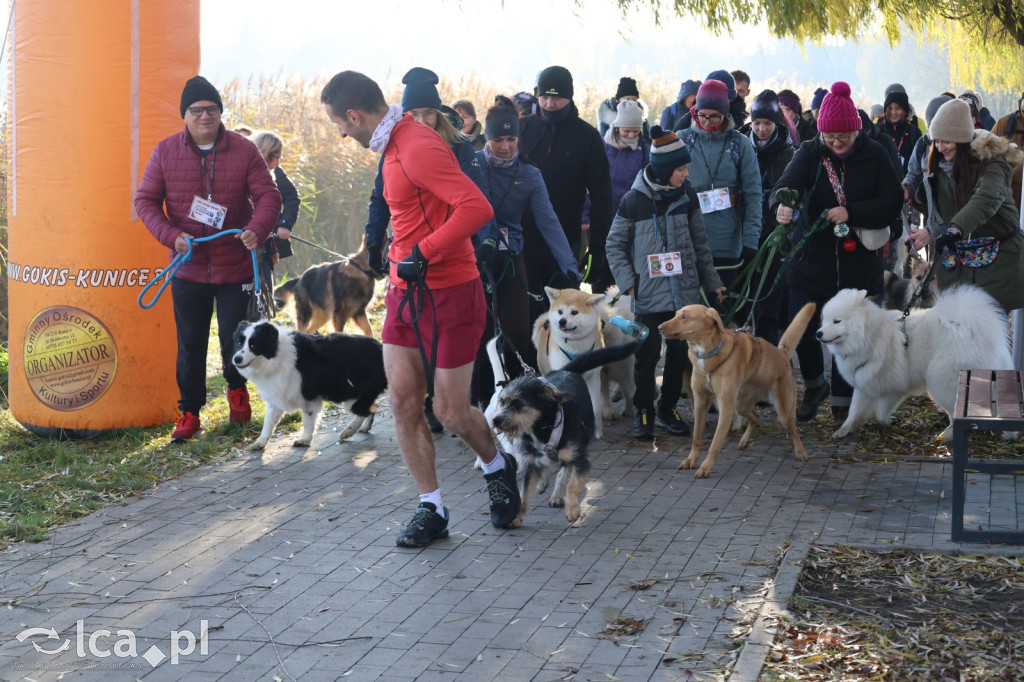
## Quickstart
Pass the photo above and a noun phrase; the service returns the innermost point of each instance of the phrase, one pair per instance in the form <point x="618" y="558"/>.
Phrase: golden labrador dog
<point x="738" y="370"/>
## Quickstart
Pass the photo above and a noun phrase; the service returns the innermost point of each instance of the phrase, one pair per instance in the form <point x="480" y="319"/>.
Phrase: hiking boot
<point x="644" y="429"/>
<point x="432" y="423"/>
<point x="671" y="422"/>
<point x="503" y="493"/>
<point x="187" y="426"/>
<point x="426" y="526"/>
<point x="813" y="397"/>
<point x="238" y="403"/>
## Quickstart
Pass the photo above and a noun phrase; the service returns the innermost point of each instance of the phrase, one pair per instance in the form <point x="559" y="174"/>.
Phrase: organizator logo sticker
<point x="70" y="358"/>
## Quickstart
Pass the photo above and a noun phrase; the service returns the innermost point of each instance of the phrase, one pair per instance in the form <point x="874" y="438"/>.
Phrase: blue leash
<point x="182" y="258"/>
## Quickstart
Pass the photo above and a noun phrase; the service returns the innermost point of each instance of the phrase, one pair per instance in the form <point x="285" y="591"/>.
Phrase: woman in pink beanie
<point x="848" y="178"/>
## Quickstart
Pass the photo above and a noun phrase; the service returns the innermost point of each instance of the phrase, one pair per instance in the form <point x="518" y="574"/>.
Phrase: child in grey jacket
<point x="658" y="252"/>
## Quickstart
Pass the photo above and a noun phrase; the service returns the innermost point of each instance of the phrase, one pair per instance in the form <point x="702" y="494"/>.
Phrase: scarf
<point x="499" y="162"/>
<point x="662" y="192"/>
<point x="382" y="134"/>
<point x="617" y="141"/>
<point x="557" y="117"/>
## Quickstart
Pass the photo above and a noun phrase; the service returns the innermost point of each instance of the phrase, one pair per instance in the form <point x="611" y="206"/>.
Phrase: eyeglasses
<point x="713" y="118"/>
<point x="829" y="139"/>
<point x="212" y="110"/>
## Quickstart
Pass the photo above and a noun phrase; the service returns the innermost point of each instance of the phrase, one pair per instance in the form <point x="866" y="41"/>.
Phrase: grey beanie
<point x="952" y="123"/>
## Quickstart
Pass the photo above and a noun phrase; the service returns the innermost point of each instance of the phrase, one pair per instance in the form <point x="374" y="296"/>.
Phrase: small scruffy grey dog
<point x="551" y="418"/>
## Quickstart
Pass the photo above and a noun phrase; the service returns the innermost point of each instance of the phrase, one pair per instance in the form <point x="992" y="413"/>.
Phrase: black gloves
<point x="376" y="258"/>
<point x="487" y="255"/>
<point x="748" y="255"/>
<point x="950" y="237"/>
<point x="564" y="280"/>
<point x="413" y="267"/>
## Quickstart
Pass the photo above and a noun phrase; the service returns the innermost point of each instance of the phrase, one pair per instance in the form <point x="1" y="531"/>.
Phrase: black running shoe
<point x="672" y="422"/>
<point x="504" y="493"/>
<point x="644" y="429"/>
<point x="426" y="526"/>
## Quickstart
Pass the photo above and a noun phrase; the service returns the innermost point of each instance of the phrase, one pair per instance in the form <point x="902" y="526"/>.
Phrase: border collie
<point x="296" y="371"/>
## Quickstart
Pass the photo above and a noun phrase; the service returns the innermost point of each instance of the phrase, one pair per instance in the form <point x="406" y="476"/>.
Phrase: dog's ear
<point x="596" y="299"/>
<point x="552" y="293"/>
<point x="242" y="326"/>
<point x="552" y="394"/>
<point x="715" y="318"/>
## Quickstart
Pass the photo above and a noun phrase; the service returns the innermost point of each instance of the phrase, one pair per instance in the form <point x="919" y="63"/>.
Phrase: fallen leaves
<point x="902" y="616"/>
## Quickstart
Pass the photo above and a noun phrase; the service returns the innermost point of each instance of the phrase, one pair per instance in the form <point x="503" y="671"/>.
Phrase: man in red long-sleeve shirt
<point x="435" y="209"/>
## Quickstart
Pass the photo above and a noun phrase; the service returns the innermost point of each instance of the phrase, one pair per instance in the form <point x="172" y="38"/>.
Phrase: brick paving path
<point x="289" y="557"/>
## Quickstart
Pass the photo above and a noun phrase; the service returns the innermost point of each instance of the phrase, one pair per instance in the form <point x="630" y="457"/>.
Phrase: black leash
<point x="347" y="259"/>
<point x="916" y="295"/>
<point x="414" y="298"/>
<point x="499" y="333"/>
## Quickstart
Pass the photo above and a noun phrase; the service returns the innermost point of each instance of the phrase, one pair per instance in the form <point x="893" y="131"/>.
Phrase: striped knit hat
<point x="667" y="153"/>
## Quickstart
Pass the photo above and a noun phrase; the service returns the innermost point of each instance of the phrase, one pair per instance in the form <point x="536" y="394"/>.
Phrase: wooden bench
<point x="986" y="400"/>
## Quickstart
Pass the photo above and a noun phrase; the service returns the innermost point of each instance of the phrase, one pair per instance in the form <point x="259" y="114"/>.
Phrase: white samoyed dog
<point x="965" y="329"/>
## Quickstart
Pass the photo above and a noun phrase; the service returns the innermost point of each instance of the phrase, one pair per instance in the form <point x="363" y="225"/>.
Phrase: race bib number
<point x="714" y="200"/>
<point x="207" y="212"/>
<point x="664" y="264"/>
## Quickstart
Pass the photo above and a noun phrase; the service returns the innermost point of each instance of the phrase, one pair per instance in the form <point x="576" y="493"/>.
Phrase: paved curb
<point x="751" y="659"/>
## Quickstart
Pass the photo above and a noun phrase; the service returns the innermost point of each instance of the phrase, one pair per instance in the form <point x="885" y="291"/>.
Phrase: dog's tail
<point x="286" y="291"/>
<point x="601" y="356"/>
<point x="796" y="328"/>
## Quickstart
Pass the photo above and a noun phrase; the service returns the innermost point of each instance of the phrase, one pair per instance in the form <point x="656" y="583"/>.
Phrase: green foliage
<point x="984" y="28"/>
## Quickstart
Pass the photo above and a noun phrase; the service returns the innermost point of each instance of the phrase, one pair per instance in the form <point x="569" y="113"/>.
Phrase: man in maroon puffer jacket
<point x="198" y="182"/>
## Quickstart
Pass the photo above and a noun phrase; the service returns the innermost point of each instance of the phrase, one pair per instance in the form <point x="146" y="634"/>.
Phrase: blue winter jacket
<point x="512" y="192"/>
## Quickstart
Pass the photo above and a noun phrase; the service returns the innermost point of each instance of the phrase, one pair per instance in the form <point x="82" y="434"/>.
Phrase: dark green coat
<point x="990" y="212"/>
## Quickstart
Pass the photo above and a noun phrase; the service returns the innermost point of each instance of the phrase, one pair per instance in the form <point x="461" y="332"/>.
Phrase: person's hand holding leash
<point x="414" y="266"/>
<point x="951" y="236"/>
<point x="784" y="215"/>
<point x="375" y="257"/>
<point x="249" y="239"/>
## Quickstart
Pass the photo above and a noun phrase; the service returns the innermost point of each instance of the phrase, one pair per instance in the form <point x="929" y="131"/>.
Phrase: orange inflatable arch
<point x="93" y="87"/>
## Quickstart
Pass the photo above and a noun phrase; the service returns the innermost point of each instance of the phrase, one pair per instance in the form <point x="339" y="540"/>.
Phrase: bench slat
<point x="979" y="394"/>
<point x="1008" y="395"/>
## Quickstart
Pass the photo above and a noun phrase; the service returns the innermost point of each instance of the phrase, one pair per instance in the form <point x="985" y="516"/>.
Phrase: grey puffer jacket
<point x="646" y="224"/>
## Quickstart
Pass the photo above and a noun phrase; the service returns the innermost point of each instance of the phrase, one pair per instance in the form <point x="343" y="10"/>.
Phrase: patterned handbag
<point x="972" y="253"/>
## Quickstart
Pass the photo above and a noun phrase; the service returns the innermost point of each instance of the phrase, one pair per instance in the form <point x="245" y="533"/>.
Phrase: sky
<point x="508" y="42"/>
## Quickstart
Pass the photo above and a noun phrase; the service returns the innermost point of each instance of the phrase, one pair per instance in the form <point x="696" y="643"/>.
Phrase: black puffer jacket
<point x="873" y="200"/>
<point x="772" y="159"/>
<point x="571" y="158"/>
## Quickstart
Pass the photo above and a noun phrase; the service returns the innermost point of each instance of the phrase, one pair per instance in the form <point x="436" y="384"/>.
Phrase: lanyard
<point x="208" y="174"/>
<point x="835" y="180"/>
<point x="704" y="158"/>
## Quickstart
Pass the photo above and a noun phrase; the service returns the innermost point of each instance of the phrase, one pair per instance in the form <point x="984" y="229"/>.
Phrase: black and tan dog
<point x="338" y="291"/>
<point x="738" y="370"/>
<point x="550" y="418"/>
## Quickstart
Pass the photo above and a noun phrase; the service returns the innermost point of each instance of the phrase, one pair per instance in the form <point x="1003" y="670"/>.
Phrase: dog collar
<point x="705" y="356"/>
<point x="556" y="433"/>
<point x="573" y="356"/>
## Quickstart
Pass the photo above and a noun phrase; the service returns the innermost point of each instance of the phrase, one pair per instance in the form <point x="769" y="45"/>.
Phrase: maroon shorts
<point x="461" y="313"/>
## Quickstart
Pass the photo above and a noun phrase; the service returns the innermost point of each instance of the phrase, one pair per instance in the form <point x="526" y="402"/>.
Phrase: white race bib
<point x="207" y="212"/>
<point x="664" y="264"/>
<point x="714" y="200"/>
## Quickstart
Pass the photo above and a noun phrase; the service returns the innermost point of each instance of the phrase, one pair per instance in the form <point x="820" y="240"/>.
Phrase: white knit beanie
<point x="952" y="122"/>
<point x="628" y="115"/>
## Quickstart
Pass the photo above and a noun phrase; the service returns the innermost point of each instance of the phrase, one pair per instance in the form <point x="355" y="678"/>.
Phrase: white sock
<point x="434" y="498"/>
<point x="495" y="465"/>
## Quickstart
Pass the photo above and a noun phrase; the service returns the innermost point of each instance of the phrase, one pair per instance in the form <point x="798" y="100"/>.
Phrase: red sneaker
<point x="188" y="425"/>
<point x="238" y="402"/>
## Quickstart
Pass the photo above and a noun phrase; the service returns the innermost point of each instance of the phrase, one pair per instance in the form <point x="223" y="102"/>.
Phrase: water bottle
<point x="634" y="329"/>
